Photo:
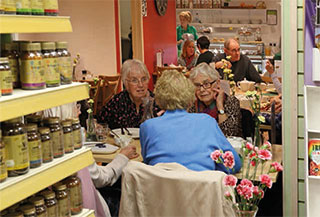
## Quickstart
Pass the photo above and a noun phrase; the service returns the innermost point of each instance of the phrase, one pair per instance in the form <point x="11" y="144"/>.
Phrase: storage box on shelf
<point x="23" y="102"/>
<point x="312" y="131"/>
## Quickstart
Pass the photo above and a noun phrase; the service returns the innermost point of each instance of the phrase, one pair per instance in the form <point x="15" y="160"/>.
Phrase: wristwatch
<point x="221" y="111"/>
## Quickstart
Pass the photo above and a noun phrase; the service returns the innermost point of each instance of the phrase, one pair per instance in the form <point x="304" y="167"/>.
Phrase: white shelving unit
<point x="312" y="126"/>
<point x="22" y="102"/>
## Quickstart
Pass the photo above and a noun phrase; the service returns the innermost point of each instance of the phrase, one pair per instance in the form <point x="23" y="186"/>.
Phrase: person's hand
<point x="220" y="64"/>
<point x="180" y="41"/>
<point x="129" y="151"/>
<point x="269" y="67"/>
<point x="219" y="95"/>
<point x="161" y="112"/>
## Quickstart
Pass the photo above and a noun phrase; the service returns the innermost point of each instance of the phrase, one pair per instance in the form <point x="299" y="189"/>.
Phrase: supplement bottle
<point x="34" y="144"/>
<point x="5" y="77"/>
<point x="74" y="185"/>
<point x="10" y="51"/>
<point x="65" y="64"/>
<point x="56" y="135"/>
<point x="51" y="203"/>
<point x="3" y="167"/>
<point x="63" y="200"/>
<point x="51" y="67"/>
<point x="46" y="144"/>
<point x="67" y="136"/>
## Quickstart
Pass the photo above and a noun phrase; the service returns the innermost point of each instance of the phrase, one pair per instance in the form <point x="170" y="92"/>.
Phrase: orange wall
<point x="159" y="32"/>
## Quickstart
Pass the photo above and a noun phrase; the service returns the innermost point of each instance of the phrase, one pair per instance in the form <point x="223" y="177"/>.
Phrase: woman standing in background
<point x="184" y="27"/>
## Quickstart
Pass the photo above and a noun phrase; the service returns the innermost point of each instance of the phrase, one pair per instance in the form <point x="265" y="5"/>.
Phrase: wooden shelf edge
<point x="34" y="24"/>
<point x="15" y="189"/>
<point x="24" y="102"/>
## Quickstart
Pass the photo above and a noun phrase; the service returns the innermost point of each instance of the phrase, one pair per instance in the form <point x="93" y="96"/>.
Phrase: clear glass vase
<point x="91" y="129"/>
<point x="252" y="212"/>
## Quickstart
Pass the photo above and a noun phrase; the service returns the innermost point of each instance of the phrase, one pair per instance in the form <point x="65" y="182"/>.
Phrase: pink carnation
<point x="267" y="145"/>
<point x="252" y="154"/>
<point x="246" y="182"/>
<point x="249" y="146"/>
<point x="258" y="192"/>
<point x="215" y="155"/>
<point x="264" y="154"/>
<point x="253" y="163"/>
<point x="228" y="159"/>
<point x="227" y="194"/>
<point x="230" y="180"/>
<point x="266" y="180"/>
<point x="277" y="167"/>
<point x="245" y="191"/>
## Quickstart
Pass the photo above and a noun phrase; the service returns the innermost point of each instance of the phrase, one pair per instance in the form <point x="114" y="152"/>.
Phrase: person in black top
<point x="240" y="64"/>
<point x="206" y="56"/>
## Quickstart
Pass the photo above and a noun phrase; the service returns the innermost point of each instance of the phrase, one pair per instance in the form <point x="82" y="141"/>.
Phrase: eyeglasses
<point x="136" y="81"/>
<point x="235" y="50"/>
<point x="205" y="85"/>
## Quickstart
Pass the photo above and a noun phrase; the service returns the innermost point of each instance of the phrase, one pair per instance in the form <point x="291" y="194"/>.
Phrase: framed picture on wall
<point x="272" y="17"/>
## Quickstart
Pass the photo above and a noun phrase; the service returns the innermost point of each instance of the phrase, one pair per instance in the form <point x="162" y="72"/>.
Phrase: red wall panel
<point x="159" y="32"/>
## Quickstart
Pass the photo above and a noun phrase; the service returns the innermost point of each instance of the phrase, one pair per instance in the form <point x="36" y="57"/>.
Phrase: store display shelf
<point x="229" y="25"/>
<point x="34" y="24"/>
<point x="85" y="213"/>
<point x="23" y="102"/>
<point x="221" y="9"/>
<point x="15" y="189"/>
<point x="314" y="177"/>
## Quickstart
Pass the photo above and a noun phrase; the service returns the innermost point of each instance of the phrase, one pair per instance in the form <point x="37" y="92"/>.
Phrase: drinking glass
<point x="102" y="132"/>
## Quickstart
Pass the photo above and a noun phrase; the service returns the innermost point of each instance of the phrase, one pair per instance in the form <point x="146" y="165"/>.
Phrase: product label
<point x="32" y="72"/>
<point x="23" y="4"/>
<point x="47" y="152"/>
<point x="17" y="152"/>
<point x="3" y="166"/>
<point x="77" y="138"/>
<point x="57" y="146"/>
<point x="6" y="82"/>
<point x="75" y="199"/>
<point x="9" y="5"/>
<point x="51" y="70"/>
<point x="35" y="153"/>
<point x="14" y="69"/>
<point x="52" y="210"/>
<point x="50" y="4"/>
<point x="68" y="142"/>
<point x="63" y="207"/>
<point x="65" y="68"/>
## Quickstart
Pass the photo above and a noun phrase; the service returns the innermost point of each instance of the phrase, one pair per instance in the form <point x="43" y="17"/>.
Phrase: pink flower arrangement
<point x="249" y="191"/>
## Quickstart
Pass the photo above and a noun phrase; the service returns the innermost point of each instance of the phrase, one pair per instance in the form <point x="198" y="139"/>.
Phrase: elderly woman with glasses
<point x="179" y="136"/>
<point x="126" y="109"/>
<point x="212" y="100"/>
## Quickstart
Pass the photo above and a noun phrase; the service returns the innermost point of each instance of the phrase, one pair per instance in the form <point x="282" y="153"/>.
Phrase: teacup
<point x="246" y="85"/>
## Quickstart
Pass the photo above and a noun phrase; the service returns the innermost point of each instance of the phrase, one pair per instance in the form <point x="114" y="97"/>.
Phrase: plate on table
<point x="271" y="90"/>
<point x="134" y="131"/>
<point x="104" y="148"/>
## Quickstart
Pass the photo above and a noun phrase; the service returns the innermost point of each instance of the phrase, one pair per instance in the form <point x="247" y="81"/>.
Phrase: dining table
<point x="276" y="151"/>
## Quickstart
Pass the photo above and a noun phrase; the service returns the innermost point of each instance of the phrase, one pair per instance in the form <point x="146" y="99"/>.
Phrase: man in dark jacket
<point x="240" y="64"/>
<point x="206" y="56"/>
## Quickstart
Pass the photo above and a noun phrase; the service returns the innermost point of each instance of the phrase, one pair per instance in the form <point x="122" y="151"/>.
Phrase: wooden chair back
<point x="161" y="69"/>
<point x="109" y="86"/>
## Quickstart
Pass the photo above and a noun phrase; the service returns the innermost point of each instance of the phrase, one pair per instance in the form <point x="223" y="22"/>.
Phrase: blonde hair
<point x="187" y="15"/>
<point x="174" y="91"/>
<point x="204" y="69"/>
<point x="185" y="46"/>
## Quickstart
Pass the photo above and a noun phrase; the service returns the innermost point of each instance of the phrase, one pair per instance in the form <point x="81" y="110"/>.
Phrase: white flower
<point x="261" y="118"/>
<point x="90" y="101"/>
<point x="89" y="110"/>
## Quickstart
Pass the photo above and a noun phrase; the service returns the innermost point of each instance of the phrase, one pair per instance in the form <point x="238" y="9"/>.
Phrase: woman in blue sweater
<point x="179" y="136"/>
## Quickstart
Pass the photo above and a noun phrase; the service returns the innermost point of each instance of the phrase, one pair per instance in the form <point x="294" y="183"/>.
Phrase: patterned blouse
<point x="232" y="125"/>
<point x="120" y="111"/>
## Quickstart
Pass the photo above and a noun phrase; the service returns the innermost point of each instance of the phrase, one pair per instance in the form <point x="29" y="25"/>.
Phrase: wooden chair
<point x="108" y="88"/>
<point x="160" y="69"/>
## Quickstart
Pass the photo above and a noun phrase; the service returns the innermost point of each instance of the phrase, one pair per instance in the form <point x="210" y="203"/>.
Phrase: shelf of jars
<point x="222" y="9"/>
<point x="34" y="24"/>
<point x="85" y="213"/>
<point x="23" y="102"/>
<point x="228" y="25"/>
<point x="15" y="189"/>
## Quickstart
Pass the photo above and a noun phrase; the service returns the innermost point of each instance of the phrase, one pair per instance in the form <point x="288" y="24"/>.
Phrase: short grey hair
<point x="204" y="69"/>
<point x="133" y="65"/>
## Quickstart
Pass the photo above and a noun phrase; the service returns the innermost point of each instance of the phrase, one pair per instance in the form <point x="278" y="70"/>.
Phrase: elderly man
<point x="240" y="64"/>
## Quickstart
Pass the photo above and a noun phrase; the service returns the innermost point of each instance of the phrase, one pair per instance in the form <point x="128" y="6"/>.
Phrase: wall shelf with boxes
<point x="23" y="102"/>
<point x="312" y="149"/>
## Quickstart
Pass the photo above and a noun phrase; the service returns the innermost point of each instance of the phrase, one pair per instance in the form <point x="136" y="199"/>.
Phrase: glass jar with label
<point x="28" y="211"/>
<point x="10" y="51"/>
<point x="63" y="200"/>
<point x="65" y="64"/>
<point x="34" y="143"/>
<point x="10" y="6"/>
<point x="41" y="209"/>
<point x="46" y="144"/>
<point x="51" y="203"/>
<point x="67" y="136"/>
<point x="31" y="67"/>
<point x="34" y="119"/>
<point x="74" y="185"/>
<point x="15" y="140"/>
<point x="51" y="67"/>
<point x="23" y="7"/>
<point x="37" y="7"/>
<point x="56" y="135"/>
<point x="50" y="7"/>
<point x="3" y="167"/>
<point x="5" y="77"/>
<point x="76" y="131"/>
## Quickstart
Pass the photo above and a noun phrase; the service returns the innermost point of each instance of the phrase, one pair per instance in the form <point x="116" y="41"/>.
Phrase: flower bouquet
<point x="91" y="128"/>
<point x="248" y="192"/>
<point x="227" y="75"/>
